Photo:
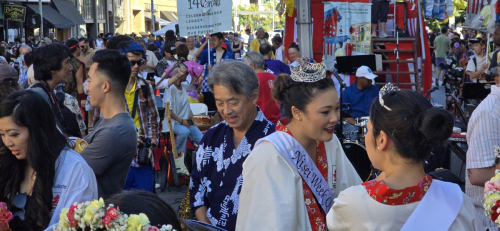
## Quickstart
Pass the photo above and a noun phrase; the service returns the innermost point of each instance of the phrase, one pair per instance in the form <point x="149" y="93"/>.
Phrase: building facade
<point x="135" y="15"/>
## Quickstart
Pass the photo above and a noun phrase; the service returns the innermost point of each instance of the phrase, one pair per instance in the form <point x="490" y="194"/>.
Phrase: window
<point x="86" y="9"/>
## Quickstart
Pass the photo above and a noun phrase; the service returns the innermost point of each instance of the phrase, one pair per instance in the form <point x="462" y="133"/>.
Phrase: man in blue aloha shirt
<point x="217" y="171"/>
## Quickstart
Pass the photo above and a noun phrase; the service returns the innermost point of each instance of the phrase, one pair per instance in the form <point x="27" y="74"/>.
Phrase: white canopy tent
<point x="169" y="26"/>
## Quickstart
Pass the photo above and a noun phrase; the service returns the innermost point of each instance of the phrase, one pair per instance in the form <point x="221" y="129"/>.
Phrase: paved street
<point x="173" y="196"/>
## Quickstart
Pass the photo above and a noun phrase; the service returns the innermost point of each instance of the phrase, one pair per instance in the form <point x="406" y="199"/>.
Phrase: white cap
<point x="365" y="71"/>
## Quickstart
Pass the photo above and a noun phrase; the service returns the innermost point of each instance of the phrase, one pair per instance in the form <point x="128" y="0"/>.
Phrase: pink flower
<point x="153" y="228"/>
<point x="489" y="186"/>
<point x="5" y="217"/>
<point x="71" y="216"/>
<point x="109" y="216"/>
<point x="497" y="185"/>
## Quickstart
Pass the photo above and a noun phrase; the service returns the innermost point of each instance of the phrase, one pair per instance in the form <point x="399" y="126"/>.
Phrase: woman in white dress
<point x="402" y="130"/>
<point x="292" y="176"/>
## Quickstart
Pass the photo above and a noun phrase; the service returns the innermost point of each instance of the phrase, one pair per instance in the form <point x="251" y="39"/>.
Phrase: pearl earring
<point x="298" y="118"/>
<point x="378" y="147"/>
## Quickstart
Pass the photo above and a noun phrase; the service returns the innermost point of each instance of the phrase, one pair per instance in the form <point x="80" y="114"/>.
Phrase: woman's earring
<point x="378" y="148"/>
<point x="299" y="118"/>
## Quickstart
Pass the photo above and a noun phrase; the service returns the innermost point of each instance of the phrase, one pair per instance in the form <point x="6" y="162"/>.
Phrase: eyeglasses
<point x="83" y="46"/>
<point x="139" y="63"/>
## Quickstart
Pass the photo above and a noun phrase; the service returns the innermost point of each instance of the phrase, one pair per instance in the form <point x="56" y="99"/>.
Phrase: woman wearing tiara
<point x="402" y="130"/>
<point x="292" y="176"/>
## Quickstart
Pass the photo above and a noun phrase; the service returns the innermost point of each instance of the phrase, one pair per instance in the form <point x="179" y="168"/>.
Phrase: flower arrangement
<point x="492" y="195"/>
<point x="5" y="217"/>
<point x="94" y="215"/>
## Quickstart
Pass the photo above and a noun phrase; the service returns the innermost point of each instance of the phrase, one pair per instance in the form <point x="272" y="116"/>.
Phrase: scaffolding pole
<point x="304" y="27"/>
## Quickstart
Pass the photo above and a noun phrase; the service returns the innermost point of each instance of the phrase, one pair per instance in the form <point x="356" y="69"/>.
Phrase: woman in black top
<point x="236" y="45"/>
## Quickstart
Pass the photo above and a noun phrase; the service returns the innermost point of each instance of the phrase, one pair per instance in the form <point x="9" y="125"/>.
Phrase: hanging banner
<point x="480" y="15"/>
<point x="14" y="13"/>
<point x="349" y="23"/>
<point x="198" y="17"/>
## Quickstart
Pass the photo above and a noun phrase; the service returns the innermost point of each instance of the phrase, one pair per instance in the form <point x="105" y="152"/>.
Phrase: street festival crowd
<point x="80" y="122"/>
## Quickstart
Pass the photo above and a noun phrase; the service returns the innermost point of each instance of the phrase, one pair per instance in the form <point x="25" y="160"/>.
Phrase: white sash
<point x="442" y="203"/>
<point x="290" y="148"/>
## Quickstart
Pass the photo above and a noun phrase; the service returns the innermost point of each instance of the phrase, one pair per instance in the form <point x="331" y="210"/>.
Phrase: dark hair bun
<point x="279" y="87"/>
<point x="436" y="126"/>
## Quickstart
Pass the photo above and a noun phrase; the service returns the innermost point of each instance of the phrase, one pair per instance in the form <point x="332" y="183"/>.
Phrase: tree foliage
<point x="256" y="21"/>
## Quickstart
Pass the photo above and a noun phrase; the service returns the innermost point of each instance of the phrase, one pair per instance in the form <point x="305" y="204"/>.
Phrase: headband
<point x="135" y="46"/>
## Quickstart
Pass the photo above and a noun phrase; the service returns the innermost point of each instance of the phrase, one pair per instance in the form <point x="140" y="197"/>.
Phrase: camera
<point x="143" y="153"/>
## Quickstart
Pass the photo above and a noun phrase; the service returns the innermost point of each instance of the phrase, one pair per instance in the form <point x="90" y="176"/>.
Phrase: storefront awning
<point x="52" y="18"/>
<point x="159" y="20"/>
<point x="170" y="16"/>
<point x="68" y="10"/>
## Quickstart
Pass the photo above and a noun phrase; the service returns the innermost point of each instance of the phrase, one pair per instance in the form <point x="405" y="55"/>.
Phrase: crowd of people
<point x="75" y="118"/>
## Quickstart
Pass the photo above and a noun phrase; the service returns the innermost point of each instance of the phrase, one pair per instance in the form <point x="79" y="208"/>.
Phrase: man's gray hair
<point x="236" y="77"/>
<point x="24" y="47"/>
<point x="256" y="58"/>
<point x="2" y="60"/>
<point x="192" y="37"/>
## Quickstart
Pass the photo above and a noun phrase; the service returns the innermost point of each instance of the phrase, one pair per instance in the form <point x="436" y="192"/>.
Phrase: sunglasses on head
<point x="140" y="62"/>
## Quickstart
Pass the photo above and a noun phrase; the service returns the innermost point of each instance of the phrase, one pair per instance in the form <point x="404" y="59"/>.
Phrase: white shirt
<point x="179" y="102"/>
<point x="74" y="181"/>
<point x="473" y="68"/>
<point x="272" y="196"/>
<point x="192" y="53"/>
<point x="98" y="43"/>
<point x="483" y="133"/>
<point x="279" y="53"/>
<point x="152" y="61"/>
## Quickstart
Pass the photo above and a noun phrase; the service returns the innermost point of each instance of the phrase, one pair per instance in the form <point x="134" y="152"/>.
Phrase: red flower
<point x="5" y="217"/>
<point x="498" y="203"/>
<point x="494" y="216"/>
<point x="71" y="216"/>
<point x="109" y="216"/>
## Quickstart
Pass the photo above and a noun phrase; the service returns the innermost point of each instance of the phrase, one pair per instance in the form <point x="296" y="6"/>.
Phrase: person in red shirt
<point x="267" y="104"/>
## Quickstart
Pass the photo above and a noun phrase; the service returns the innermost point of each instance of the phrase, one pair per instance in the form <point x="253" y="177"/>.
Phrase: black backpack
<point x="69" y="118"/>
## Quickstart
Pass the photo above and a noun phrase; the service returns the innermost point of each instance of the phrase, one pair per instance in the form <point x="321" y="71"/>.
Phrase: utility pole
<point x="304" y="27"/>
<point x="153" y="21"/>
<point x="272" y="8"/>
<point x="40" y="33"/>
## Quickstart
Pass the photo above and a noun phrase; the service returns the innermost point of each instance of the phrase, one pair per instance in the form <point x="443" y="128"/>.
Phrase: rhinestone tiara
<point x="386" y="89"/>
<point x="308" y="72"/>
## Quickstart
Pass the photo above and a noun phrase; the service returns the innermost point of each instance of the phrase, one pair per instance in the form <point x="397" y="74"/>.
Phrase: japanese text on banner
<point x="198" y="17"/>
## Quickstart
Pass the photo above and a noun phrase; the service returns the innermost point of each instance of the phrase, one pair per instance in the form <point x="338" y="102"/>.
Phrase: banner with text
<point x="198" y="17"/>
<point x="349" y="23"/>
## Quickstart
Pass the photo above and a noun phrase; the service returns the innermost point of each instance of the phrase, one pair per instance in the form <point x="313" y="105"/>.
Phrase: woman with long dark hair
<point x="40" y="173"/>
<point x="402" y="130"/>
